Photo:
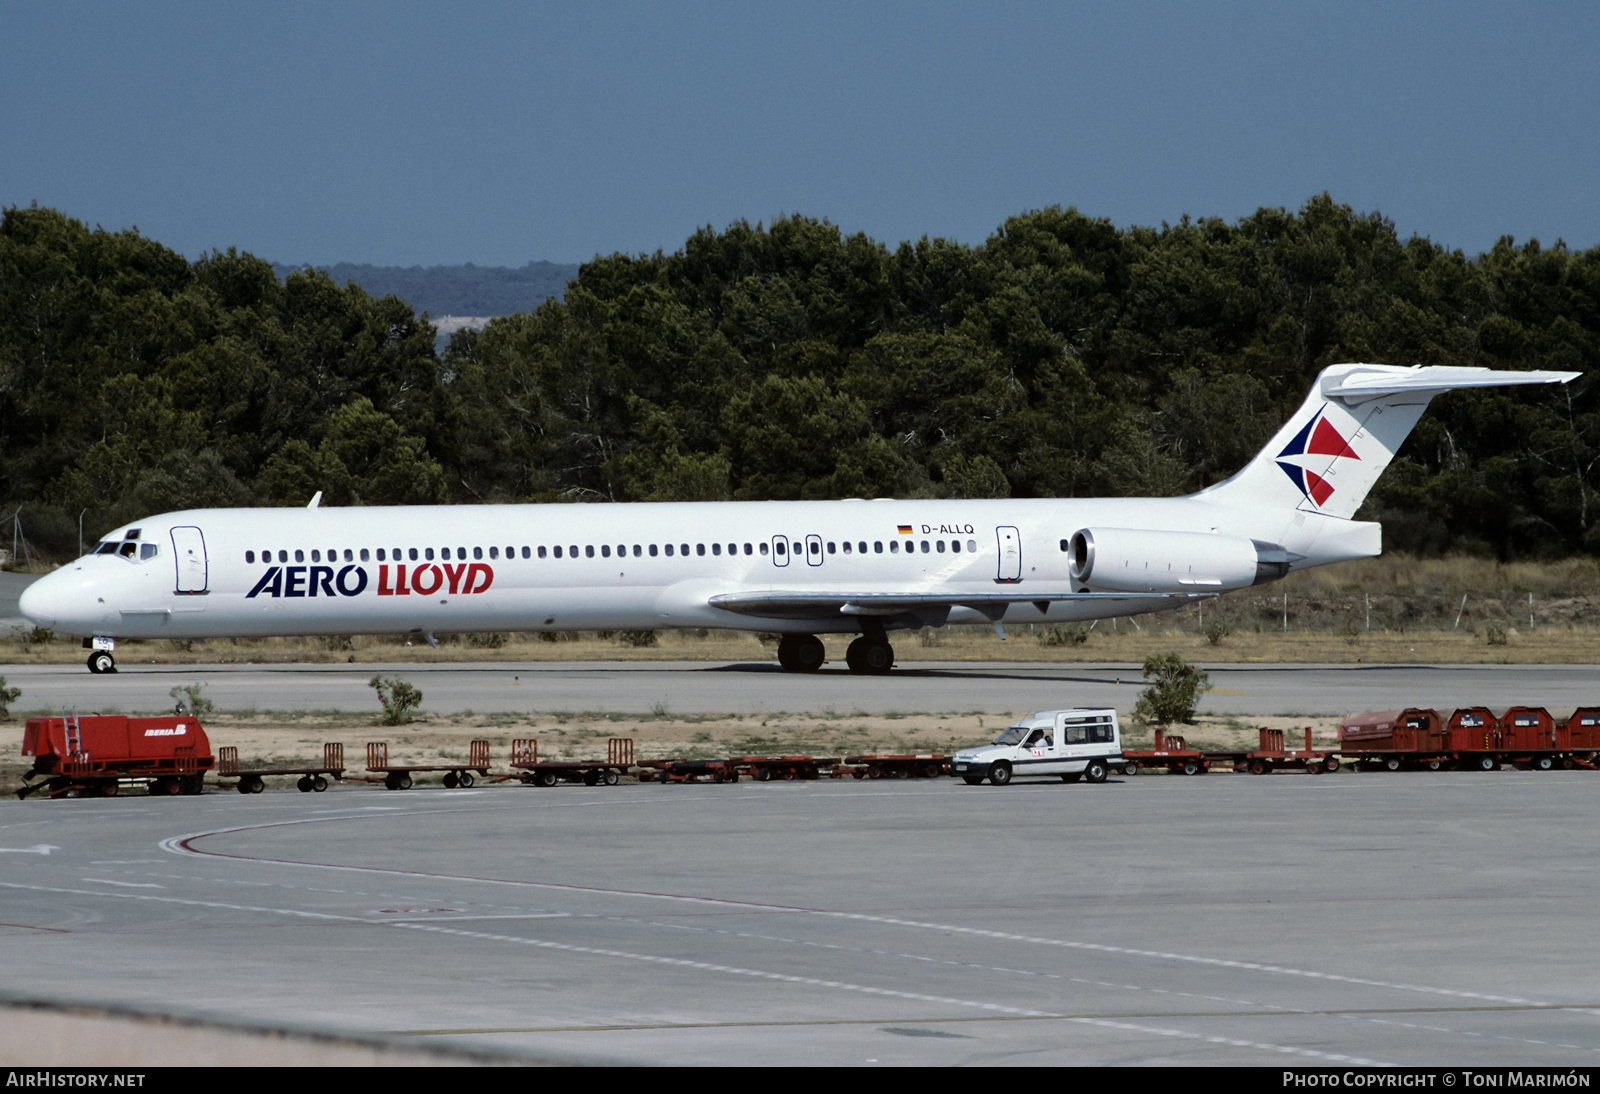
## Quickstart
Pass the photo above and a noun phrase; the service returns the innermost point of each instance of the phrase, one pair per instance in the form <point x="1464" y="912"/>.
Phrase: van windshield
<point x="1013" y="735"/>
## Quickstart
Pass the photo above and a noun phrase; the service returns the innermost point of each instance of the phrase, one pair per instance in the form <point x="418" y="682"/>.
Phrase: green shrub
<point x="1174" y="691"/>
<point x="7" y="697"/>
<point x="190" y="701"/>
<point x="1064" y="634"/>
<point x="399" y="699"/>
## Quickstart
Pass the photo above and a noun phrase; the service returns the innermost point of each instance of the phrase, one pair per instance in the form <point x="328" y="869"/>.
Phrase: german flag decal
<point x="905" y="529"/>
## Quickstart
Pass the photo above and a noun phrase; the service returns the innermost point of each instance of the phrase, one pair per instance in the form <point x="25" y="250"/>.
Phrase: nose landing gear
<point x="101" y="661"/>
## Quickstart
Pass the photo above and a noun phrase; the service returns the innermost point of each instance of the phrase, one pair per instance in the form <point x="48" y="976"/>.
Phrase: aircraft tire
<point x="801" y="652"/>
<point x="102" y="662"/>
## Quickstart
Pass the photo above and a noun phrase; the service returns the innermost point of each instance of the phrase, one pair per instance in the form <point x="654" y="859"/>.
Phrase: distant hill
<point x="469" y="290"/>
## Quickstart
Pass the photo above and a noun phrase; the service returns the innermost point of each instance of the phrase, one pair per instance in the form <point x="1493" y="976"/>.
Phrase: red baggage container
<point x="1527" y="728"/>
<point x="1415" y="729"/>
<point x="1473" y="729"/>
<point x="93" y="751"/>
<point x="1579" y="731"/>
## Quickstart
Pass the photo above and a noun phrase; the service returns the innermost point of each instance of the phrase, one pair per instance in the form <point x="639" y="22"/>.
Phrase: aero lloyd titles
<point x="424" y="580"/>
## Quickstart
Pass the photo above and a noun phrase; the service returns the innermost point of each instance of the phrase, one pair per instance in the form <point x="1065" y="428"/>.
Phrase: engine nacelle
<point x="1141" y="560"/>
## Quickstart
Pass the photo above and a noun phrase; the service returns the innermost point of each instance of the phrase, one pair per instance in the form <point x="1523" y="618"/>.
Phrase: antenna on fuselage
<point x="315" y="501"/>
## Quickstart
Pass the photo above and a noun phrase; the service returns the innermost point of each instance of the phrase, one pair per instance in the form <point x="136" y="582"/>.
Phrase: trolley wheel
<point x="1434" y="765"/>
<point x="763" y="774"/>
<point x="1193" y="767"/>
<point x="319" y="784"/>
<point x="933" y="771"/>
<point x="405" y="780"/>
<point x="1542" y="763"/>
<point x="450" y="780"/>
<point x="465" y="779"/>
<point x="244" y="785"/>
<point x="611" y="777"/>
<point x="591" y="778"/>
<point x="1096" y="772"/>
<point x="1331" y="764"/>
<point x="859" y="774"/>
<point x="1000" y="774"/>
<point x="257" y="785"/>
<point x="1258" y="767"/>
<point x="971" y="780"/>
<point x="1130" y="768"/>
<point x="108" y="789"/>
<point x="304" y="784"/>
<point x="1486" y="763"/>
<point x="1391" y="763"/>
<point x="545" y="778"/>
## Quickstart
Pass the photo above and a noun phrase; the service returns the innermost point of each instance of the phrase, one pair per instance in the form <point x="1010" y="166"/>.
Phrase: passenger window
<point x="316" y="556"/>
<point x="541" y="552"/>
<point x="525" y="553"/>
<point x="299" y="556"/>
<point x="747" y="548"/>
<point x="249" y="556"/>
<point x="573" y="550"/>
<point x="684" y="548"/>
<point x="605" y="550"/>
<point x="716" y="548"/>
<point x="972" y="546"/>
<point x="477" y="552"/>
<point x="364" y="554"/>
<point x="637" y="551"/>
<point x="832" y="548"/>
<point x="862" y="547"/>
<point x="669" y="550"/>
<point x="955" y="546"/>
<point x="557" y="550"/>
<point x="700" y="549"/>
<point x="940" y="544"/>
<point x="588" y="552"/>
<point x="780" y="547"/>
<point x="894" y="546"/>
<point x="380" y="554"/>
<point x="414" y="554"/>
<point x="494" y="553"/>
<point x="846" y="546"/>
<point x="877" y="546"/>
<point x="652" y="550"/>
<point x="925" y="549"/>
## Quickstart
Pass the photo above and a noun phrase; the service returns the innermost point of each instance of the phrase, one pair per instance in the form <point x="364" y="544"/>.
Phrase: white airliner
<point x="795" y="568"/>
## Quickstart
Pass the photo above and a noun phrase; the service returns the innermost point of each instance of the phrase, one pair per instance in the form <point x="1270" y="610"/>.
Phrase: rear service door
<point x="1010" y="542"/>
<point x="189" y="554"/>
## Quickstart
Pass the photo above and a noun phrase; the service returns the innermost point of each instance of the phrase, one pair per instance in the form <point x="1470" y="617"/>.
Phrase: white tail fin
<point x="1329" y="455"/>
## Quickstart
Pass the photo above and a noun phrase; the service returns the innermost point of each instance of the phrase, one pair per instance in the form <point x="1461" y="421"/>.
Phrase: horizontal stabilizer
<point x="1359" y="386"/>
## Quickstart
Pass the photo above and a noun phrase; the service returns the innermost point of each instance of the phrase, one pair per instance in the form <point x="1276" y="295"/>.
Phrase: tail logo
<point x="1319" y="438"/>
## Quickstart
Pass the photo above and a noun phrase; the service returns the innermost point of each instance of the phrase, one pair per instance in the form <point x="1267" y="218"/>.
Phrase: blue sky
<point x="414" y="134"/>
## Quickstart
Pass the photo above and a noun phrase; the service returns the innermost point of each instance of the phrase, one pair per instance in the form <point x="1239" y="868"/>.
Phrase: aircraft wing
<point x="778" y="604"/>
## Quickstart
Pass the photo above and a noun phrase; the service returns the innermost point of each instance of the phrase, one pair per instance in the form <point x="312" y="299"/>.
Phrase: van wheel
<point x="1096" y="772"/>
<point x="1000" y="774"/>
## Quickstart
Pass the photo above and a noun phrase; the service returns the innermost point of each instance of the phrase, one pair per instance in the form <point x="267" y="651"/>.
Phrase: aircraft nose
<point x="60" y="603"/>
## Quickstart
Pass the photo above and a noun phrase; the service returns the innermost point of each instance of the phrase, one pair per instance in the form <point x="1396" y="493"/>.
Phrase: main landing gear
<point x="870" y="655"/>
<point x="101" y="661"/>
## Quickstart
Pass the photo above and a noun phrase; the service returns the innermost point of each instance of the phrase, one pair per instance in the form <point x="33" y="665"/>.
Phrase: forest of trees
<point x="1063" y="357"/>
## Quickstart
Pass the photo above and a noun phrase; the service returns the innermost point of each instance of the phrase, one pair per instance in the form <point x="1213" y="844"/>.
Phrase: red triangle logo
<point x="1325" y="441"/>
<point x="1318" y="487"/>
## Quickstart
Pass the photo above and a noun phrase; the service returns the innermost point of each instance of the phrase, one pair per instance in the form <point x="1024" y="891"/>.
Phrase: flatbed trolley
<point x="311" y="778"/>
<point x="536" y="772"/>
<point x="1273" y="756"/>
<point x="398" y="776"/>
<point x="787" y="768"/>
<point x="1171" y="752"/>
<point x="689" y="771"/>
<point x="880" y="765"/>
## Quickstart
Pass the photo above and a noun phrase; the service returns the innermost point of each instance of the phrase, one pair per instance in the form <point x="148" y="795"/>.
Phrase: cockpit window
<point x="109" y="547"/>
<point x="129" y="549"/>
<point x="147" y="550"/>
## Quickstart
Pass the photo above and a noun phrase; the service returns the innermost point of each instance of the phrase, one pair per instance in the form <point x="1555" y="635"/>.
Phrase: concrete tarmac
<point x="1413" y="918"/>
<point x="749" y="688"/>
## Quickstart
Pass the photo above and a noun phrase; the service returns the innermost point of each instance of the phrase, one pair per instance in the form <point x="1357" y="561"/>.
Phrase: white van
<point x="1074" y="744"/>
